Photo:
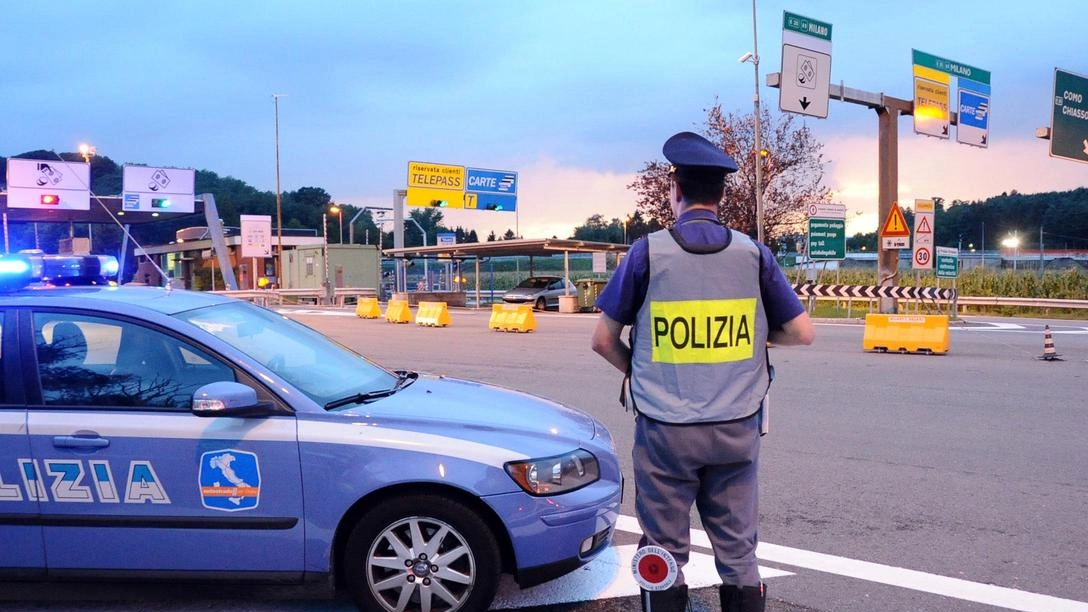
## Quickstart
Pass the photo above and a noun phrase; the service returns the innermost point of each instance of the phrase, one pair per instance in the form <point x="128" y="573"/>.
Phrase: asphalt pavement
<point x="890" y="482"/>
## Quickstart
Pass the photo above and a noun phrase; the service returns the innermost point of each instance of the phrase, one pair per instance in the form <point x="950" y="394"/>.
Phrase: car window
<point x="320" y="368"/>
<point x="535" y="282"/>
<point x="93" y="361"/>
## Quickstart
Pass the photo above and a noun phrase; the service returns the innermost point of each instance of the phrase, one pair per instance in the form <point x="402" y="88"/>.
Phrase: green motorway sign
<point x="954" y="68"/>
<point x="806" y="25"/>
<point x="948" y="262"/>
<point x="826" y="239"/>
<point x="1069" y="125"/>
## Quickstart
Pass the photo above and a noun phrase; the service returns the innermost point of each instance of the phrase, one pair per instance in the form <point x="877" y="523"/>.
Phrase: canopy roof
<point x="500" y="248"/>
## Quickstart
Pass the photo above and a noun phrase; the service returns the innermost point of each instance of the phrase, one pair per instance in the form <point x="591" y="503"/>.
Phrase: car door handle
<point x="79" y="442"/>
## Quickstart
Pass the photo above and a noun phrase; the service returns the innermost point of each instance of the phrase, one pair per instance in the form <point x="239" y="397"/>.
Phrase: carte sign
<point x="492" y="190"/>
<point x="154" y="189"/>
<point x="48" y="184"/>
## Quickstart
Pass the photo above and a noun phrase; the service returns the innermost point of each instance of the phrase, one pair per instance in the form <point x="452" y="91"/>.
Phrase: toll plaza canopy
<point x="530" y="247"/>
<point x="544" y="247"/>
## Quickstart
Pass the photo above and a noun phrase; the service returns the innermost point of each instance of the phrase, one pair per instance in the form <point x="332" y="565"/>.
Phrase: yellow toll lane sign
<point x="931" y="100"/>
<point x="437" y="185"/>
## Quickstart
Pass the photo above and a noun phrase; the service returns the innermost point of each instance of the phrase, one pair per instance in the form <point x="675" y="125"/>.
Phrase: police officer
<point x="702" y="301"/>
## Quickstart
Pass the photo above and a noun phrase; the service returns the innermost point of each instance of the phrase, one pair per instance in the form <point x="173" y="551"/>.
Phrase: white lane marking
<point x="966" y="590"/>
<point x="606" y="577"/>
<point x="990" y="326"/>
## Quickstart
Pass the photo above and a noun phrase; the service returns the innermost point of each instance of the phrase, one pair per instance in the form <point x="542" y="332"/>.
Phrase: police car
<point x="149" y="433"/>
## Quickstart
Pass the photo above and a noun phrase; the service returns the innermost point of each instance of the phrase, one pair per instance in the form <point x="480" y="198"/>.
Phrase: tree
<point x="793" y="170"/>
<point x="617" y="230"/>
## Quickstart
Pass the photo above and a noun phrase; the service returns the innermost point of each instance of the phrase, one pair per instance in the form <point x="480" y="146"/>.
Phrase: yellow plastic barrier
<point x="367" y="308"/>
<point x="397" y="311"/>
<point x="512" y="317"/>
<point x="432" y="314"/>
<point x="906" y="333"/>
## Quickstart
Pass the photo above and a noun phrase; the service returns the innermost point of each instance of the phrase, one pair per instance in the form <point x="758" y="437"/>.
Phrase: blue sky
<point x="574" y="96"/>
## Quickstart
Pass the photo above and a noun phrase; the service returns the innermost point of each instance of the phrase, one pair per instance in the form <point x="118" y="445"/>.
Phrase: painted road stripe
<point x="606" y="577"/>
<point x="966" y="590"/>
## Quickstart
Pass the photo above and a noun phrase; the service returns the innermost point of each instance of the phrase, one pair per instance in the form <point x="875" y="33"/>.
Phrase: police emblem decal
<point x="230" y="480"/>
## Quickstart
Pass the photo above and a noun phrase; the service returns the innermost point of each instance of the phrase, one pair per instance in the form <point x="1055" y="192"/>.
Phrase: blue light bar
<point x="21" y="269"/>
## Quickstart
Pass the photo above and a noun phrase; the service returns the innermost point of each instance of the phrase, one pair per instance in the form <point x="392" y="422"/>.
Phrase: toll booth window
<point x="90" y="361"/>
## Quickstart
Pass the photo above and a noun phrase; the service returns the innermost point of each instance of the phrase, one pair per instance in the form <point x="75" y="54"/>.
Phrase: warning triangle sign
<point x="923" y="226"/>
<point x="895" y="225"/>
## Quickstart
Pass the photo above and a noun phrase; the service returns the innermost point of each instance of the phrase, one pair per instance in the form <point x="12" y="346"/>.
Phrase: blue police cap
<point x="690" y="149"/>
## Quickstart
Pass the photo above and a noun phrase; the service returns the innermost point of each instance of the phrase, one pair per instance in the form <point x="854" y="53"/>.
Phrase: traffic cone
<point x="1049" y="354"/>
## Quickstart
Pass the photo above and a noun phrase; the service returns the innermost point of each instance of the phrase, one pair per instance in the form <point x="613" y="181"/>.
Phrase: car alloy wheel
<point x="401" y="558"/>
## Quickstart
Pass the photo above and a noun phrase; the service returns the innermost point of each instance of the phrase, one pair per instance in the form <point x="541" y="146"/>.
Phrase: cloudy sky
<point x="573" y="95"/>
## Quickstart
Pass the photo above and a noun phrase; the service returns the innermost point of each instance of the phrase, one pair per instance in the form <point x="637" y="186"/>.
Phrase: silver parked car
<point x="541" y="291"/>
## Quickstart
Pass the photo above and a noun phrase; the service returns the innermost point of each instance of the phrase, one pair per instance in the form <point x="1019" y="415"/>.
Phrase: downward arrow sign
<point x="805" y="102"/>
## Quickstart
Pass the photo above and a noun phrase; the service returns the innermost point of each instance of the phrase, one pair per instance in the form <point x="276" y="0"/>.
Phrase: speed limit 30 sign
<point x="923" y="258"/>
<point x="923" y="235"/>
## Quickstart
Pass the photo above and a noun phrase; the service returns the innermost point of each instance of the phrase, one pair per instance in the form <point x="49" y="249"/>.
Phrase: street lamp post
<point x="87" y="151"/>
<point x="1013" y="242"/>
<point x="756" y="118"/>
<point x="279" y="205"/>
<point x="339" y="212"/>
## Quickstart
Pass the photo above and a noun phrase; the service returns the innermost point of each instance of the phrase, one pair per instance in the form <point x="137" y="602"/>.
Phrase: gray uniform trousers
<point x="712" y="465"/>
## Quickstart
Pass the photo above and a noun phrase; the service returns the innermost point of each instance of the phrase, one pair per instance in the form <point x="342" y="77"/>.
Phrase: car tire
<point x="422" y="547"/>
<point x="541" y="304"/>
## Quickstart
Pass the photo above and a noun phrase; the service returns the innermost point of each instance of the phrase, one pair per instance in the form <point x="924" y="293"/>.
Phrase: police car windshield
<point x="317" y="366"/>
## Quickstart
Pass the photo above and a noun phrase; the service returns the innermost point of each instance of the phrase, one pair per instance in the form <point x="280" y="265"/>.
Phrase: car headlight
<point x="555" y="475"/>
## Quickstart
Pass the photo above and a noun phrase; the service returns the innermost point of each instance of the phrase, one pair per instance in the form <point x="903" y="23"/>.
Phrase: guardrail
<point x="266" y="297"/>
<point x="966" y="300"/>
<point x="1027" y="302"/>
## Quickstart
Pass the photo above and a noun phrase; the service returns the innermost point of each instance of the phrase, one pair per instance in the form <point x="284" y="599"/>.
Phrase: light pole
<point x="351" y="222"/>
<point x="87" y="151"/>
<point x="1013" y="242"/>
<point x="279" y="204"/>
<point x="756" y="117"/>
<point x="339" y="212"/>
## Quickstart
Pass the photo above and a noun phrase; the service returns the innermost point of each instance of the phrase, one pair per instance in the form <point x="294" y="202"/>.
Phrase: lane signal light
<point x="50" y="199"/>
<point x="494" y="206"/>
<point x="160" y="202"/>
<point x="440" y="203"/>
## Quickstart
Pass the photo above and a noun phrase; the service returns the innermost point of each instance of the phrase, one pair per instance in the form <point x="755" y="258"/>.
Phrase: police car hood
<point x="452" y="402"/>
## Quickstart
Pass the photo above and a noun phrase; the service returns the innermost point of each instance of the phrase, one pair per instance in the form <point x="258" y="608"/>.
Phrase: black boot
<point x="743" y="599"/>
<point x="674" y="599"/>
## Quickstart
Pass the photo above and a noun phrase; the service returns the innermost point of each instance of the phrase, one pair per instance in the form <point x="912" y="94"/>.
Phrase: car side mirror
<point x="229" y="399"/>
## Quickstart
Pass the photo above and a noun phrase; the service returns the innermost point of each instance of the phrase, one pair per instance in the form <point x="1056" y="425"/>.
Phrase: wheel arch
<point x="360" y="507"/>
